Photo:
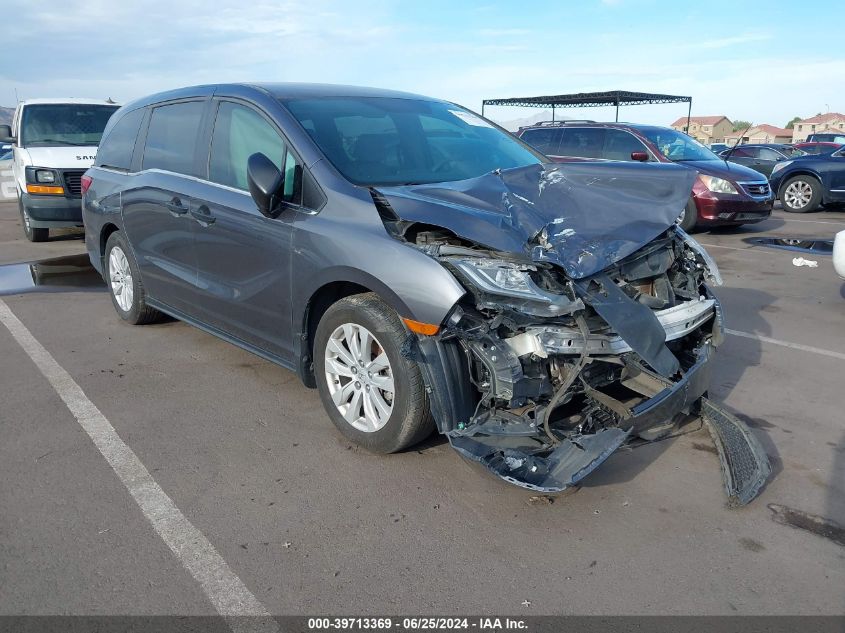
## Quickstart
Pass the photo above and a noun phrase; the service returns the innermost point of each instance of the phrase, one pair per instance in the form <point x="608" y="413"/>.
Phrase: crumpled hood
<point x="581" y="216"/>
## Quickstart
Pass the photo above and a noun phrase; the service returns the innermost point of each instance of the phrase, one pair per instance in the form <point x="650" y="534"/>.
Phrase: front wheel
<point x="373" y="394"/>
<point x="689" y="217"/>
<point x="124" y="282"/>
<point x="801" y="194"/>
<point x="32" y="234"/>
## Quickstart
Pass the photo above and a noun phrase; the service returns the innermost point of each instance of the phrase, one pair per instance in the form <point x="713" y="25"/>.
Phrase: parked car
<point x="761" y="157"/>
<point x="804" y="183"/>
<point x="818" y="147"/>
<point x="421" y="268"/>
<point x="54" y="142"/>
<point x="826" y="137"/>
<point x="722" y="194"/>
<point x="718" y="147"/>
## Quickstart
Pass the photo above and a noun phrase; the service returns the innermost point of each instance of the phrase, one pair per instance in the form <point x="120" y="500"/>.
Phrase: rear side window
<point x="240" y="132"/>
<point x="172" y="137"/>
<point x="744" y="152"/>
<point x="116" y="149"/>
<point x="585" y="142"/>
<point x="767" y="154"/>
<point x="545" y="140"/>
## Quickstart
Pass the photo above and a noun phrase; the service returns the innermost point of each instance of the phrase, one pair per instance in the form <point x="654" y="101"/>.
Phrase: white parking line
<point x="774" y="341"/>
<point x="226" y="592"/>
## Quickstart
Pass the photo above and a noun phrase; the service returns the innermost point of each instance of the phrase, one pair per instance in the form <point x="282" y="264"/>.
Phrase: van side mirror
<point x="6" y="134"/>
<point x="641" y="157"/>
<point x="265" y="184"/>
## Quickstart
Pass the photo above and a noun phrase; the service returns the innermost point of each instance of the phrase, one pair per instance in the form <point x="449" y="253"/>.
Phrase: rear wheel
<point x="801" y="194"/>
<point x="373" y="394"/>
<point x="689" y="217"/>
<point x="124" y="281"/>
<point x="32" y="234"/>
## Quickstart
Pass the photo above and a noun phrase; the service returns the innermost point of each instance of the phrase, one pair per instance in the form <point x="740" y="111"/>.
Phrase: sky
<point x="748" y="60"/>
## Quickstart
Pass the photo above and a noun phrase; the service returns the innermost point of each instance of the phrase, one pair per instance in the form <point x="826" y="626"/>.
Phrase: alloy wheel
<point x="359" y="377"/>
<point x="798" y="194"/>
<point x="120" y="277"/>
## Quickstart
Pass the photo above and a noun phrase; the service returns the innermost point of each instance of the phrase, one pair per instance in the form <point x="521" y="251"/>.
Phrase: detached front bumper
<point x="520" y="461"/>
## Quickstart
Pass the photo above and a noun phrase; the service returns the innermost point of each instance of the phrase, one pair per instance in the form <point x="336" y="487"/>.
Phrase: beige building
<point x="830" y="122"/>
<point x="705" y="129"/>
<point x="763" y="133"/>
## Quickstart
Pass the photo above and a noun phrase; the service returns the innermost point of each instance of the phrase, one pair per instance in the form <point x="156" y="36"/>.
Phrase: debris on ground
<point x="809" y="263"/>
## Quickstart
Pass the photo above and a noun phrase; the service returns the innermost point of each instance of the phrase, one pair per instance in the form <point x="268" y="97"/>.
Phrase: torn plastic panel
<point x="583" y="217"/>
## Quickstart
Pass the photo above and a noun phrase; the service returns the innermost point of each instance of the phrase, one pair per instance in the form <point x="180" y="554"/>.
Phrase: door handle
<point x="203" y="215"/>
<point x="176" y="207"/>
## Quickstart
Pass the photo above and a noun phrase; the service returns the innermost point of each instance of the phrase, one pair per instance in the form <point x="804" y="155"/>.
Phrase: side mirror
<point x="641" y="157"/>
<point x="6" y="134"/>
<point x="265" y="182"/>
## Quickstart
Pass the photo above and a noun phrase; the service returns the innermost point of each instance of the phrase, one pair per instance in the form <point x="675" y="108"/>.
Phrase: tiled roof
<point x="823" y="118"/>
<point x="702" y="120"/>
<point x="763" y="127"/>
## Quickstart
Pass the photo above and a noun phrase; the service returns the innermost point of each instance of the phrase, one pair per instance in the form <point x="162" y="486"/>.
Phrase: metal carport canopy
<point x="591" y="100"/>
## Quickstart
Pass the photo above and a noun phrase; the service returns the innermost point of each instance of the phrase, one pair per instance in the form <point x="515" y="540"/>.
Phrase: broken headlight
<point x="499" y="277"/>
<point x="509" y="280"/>
<point x="712" y="273"/>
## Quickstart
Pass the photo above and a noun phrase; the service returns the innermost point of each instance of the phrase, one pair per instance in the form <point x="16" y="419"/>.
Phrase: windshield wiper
<point x="59" y="142"/>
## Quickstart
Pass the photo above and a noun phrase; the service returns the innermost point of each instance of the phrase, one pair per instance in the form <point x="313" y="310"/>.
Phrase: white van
<point x="54" y="142"/>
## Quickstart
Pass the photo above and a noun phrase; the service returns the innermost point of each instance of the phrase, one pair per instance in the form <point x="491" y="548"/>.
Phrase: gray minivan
<point x="422" y="268"/>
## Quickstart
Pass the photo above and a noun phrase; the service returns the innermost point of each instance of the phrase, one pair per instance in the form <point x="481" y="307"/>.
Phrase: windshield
<point x="677" y="146"/>
<point x="390" y="141"/>
<point x="64" y="124"/>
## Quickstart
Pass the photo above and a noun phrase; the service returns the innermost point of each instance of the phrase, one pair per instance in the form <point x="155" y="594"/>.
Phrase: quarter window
<point x="116" y="149"/>
<point x="172" y="137"/>
<point x="545" y="140"/>
<point x="240" y="132"/>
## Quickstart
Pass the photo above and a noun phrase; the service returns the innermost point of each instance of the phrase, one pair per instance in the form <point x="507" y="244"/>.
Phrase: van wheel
<point x="801" y="194"/>
<point x="124" y="282"/>
<point x="373" y="394"/>
<point x="32" y="234"/>
<point x="689" y="217"/>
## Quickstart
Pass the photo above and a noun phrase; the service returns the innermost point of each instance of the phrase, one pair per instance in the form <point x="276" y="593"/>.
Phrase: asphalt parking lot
<point x="310" y="524"/>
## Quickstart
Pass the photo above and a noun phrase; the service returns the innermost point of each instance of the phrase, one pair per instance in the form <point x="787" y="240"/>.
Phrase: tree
<point x="792" y="122"/>
<point x="741" y="125"/>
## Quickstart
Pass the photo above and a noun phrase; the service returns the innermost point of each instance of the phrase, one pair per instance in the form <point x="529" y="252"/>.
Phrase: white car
<point x="839" y="254"/>
<point x="54" y="142"/>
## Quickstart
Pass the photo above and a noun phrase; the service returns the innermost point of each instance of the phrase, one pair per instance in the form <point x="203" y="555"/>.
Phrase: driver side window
<point x="240" y="132"/>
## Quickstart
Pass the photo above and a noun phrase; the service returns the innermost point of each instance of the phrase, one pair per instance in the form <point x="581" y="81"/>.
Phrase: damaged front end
<point x="548" y="365"/>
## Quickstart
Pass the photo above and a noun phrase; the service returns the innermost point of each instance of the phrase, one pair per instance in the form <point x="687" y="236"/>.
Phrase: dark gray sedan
<point x="761" y="157"/>
<point x="422" y="268"/>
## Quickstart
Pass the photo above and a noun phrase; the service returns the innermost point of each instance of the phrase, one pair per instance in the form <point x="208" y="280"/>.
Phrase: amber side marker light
<point x="45" y="189"/>
<point x="421" y="328"/>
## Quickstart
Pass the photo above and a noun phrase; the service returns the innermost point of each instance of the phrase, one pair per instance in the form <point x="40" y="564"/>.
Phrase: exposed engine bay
<point x="549" y="364"/>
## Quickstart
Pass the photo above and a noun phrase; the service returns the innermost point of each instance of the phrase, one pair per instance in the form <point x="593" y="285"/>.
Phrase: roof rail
<point x="555" y="123"/>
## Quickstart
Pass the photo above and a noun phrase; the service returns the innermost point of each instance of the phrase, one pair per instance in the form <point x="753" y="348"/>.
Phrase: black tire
<point x="410" y="420"/>
<point x="689" y="218"/>
<point x="138" y="312"/>
<point x="801" y="181"/>
<point x="32" y="234"/>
